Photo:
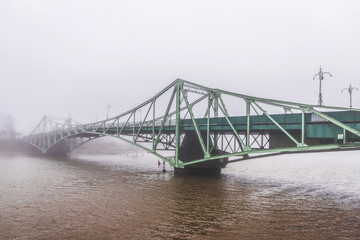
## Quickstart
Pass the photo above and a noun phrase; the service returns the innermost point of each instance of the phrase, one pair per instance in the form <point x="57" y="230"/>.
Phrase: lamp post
<point x="107" y="110"/>
<point x="321" y="77"/>
<point x="350" y="90"/>
<point x="69" y="120"/>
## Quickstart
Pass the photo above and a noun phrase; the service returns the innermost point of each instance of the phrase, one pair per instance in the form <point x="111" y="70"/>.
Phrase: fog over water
<point x="63" y="58"/>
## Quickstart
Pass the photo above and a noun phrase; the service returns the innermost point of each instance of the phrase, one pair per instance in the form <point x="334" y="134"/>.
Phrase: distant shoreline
<point x="12" y="145"/>
<point x="96" y="147"/>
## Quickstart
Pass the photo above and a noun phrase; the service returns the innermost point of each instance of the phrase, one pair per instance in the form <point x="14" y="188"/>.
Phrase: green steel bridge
<point x="207" y="128"/>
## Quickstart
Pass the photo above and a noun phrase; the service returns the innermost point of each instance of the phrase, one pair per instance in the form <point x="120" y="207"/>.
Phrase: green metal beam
<point x="302" y="127"/>
<point x="177" y="129"/>
<point x="208" y="125"/>
<point x="153" y="126"/>
<point x="280" y="127"/>
<point x="248" y="126"/>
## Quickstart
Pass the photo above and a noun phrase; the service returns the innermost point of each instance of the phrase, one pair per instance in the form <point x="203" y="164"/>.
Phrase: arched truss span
<point x="236" y="125"/>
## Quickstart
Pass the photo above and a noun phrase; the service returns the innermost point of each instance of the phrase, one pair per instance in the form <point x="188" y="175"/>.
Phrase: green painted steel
<point x="257" y="132"/>
<point x="177" y="127"/>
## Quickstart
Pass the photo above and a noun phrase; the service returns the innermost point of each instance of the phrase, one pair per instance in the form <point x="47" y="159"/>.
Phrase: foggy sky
<point x="63" y="57"/>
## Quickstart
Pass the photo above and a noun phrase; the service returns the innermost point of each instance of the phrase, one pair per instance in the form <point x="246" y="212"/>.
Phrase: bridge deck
<point x="316" y="127"/>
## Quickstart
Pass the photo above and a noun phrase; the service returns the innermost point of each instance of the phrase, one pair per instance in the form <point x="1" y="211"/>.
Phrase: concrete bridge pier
<point x="191" y="149"/>
<point x="59" y="149"/>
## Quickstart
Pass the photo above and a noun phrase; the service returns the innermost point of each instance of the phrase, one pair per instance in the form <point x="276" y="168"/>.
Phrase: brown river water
<point x="311" y="196"/>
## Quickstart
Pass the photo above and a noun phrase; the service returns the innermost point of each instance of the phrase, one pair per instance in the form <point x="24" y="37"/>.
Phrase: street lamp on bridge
<point x="107" y="110"/>
<point x="350" y="90"/>
<point x="321" y="77"/>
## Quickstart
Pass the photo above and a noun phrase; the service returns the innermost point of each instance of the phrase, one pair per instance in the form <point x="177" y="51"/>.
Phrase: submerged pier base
<point x="198" y="171"/>
<point x="59" y="149"/>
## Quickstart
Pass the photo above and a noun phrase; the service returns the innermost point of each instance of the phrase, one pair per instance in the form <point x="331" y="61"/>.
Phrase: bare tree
<point x="7" y="126"/>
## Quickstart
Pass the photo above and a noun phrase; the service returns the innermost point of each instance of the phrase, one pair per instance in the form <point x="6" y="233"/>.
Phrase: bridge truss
<point x="161" y="123"/>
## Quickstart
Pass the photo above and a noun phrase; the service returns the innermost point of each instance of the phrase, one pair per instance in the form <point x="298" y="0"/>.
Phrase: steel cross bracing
<point x="161" y="123"/>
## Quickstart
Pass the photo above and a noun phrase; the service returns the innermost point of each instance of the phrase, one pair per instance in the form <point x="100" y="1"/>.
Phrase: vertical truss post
<point x="48" y="138"/>
<point x="216" y="105"/>
<point x="248" y="123"/>
<point x="117" y="127"/>
<point x="216" y="114"/>
<point x="177" y="127"/>
<point x="44" y="133"/>
<point x="208" y="125"/>
<point x="302" y="126"/>
<point x="134" y="126"/>
<point x="153" y="127"/>
<point x="54" y="133"/>
<point x="344" y="137"/>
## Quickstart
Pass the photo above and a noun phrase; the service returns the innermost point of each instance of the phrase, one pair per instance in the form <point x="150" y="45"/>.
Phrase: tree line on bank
<point x="7" y="127"/>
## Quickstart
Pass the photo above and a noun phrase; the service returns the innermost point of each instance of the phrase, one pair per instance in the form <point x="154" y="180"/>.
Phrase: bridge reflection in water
<point x="208" y="128"/>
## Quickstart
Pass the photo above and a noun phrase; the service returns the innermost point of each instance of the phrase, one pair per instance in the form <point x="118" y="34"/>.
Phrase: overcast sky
<point x="73" y="57"/>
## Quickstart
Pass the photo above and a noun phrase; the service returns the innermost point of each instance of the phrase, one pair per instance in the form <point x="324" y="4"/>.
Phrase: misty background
<point x="62" y="58"/>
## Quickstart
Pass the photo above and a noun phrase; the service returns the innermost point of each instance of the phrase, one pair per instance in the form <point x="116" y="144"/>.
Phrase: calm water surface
<point x="312" y="196"/>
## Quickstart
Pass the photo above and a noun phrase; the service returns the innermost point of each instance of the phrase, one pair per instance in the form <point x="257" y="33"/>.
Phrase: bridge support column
<point x="191" y="149"/>
<point x="59" y="149"/>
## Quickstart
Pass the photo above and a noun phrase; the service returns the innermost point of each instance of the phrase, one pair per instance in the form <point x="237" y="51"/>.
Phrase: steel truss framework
<point x="165" y="129"/>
